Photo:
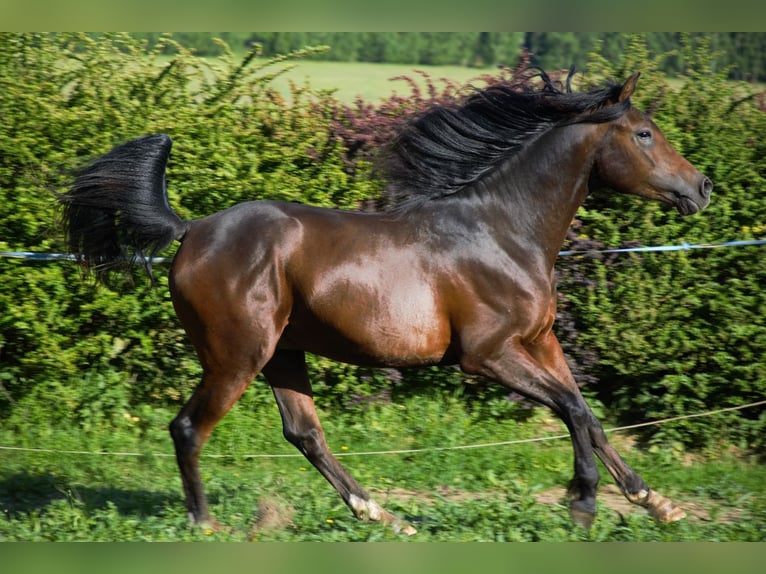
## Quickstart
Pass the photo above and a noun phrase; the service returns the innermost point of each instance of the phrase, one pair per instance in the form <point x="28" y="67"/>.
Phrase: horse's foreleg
<point x="288" y="377"/>
<point x="523" y="370"/>
<point x="550" y="355"/>
<point x="632" y="485"/>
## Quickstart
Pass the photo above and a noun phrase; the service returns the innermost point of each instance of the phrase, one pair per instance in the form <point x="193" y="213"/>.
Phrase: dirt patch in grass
<point x="273" y="514"/>
<point x="609" y="499"/>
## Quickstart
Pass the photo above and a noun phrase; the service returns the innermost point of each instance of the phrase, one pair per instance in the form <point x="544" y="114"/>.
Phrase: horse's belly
<point x="401" y="330"/>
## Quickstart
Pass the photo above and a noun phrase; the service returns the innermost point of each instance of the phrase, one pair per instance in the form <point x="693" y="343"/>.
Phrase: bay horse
<point x="460" y="272"/>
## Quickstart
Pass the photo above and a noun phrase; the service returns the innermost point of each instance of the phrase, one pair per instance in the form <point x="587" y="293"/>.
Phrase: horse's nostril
<point x="706" y="188"/>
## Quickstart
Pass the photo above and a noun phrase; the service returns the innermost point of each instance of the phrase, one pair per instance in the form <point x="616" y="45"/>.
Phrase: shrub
<point x="69" y="97"/>
<point x="681" y="332"/>
<point x="652" y="334"/>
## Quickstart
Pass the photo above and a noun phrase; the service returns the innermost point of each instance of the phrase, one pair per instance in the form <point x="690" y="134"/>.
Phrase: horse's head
<point x="634" y="157"/>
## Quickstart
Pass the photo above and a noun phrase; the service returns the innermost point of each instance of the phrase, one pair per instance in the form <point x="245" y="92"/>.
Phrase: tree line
<point x="743" y="54"/>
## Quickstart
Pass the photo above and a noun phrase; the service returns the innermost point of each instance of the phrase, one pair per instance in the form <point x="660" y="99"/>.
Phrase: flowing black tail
<point x="117" y="210"/>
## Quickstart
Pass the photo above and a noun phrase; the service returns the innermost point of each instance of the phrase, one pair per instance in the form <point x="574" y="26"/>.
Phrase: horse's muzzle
<point x="696" y="201"/>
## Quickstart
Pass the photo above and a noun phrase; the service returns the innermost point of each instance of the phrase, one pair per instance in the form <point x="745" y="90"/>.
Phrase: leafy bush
<point x="69" y="97"/>
<point x="681" y="332"/>
<point x="652" y="335"/>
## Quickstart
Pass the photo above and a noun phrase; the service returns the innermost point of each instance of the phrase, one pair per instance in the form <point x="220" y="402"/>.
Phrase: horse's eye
<point x="644" y="135"/>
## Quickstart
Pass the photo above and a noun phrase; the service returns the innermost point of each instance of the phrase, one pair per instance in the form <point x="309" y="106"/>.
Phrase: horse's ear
<point x="628" y="87"/>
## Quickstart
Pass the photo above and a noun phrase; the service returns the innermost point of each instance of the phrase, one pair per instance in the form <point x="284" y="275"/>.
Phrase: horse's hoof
<point x="667" y="512"/>
<point x="370" y="510"/>
<point x="661" y="508"/>
<point x="674" y="515"/>
<point x="403" y="528"/>
<point x="580" y="516"/>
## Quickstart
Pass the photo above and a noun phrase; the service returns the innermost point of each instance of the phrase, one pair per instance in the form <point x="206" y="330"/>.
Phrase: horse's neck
<point x="539" y="191"/>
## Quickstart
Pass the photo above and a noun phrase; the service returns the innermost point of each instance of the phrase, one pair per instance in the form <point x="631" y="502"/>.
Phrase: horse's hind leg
<point x="232" y="351"/>
<point x="288" y="377"/>
<point x="212" y="399"/>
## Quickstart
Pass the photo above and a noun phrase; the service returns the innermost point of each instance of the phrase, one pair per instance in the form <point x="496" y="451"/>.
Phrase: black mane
<point x="450" y="147"/>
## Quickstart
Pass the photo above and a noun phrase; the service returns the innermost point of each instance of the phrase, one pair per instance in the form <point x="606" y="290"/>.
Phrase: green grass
<point x="502" y="493"/>
<point x="351" y="80"/>
<point x="371" y="82"/>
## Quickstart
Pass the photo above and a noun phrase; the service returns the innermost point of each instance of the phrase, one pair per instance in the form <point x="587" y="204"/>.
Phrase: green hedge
<point x="682" y="332"/>
<point x="657" y="334"/>
<point x="69" y="97"/>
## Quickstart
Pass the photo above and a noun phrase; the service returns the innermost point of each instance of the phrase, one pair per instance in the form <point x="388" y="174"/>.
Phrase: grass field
<point x="374" y="82"/>
<point x="501" y="493"/>
<point x="351" y="80"/>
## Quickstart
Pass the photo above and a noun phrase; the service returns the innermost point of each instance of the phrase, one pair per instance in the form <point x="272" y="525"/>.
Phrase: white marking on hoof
<point x="371" y="510"/>
<point x="402" y="528"/>
<point x="366" y="509"/>
<point x="638" y="498"/>
<point x="659" y="507"/>
<point x="662" y="509"/>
